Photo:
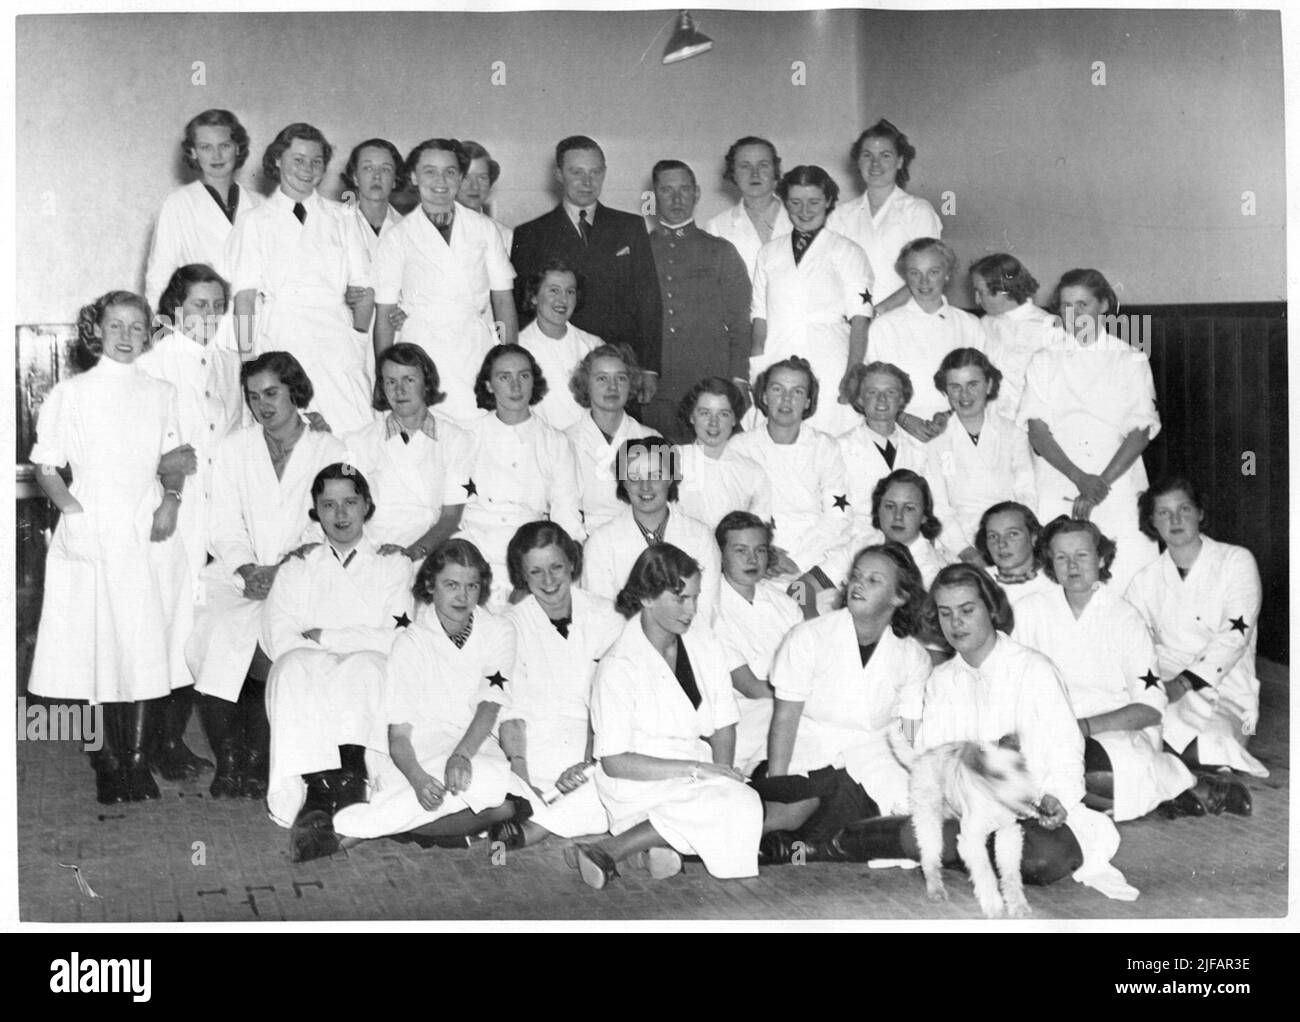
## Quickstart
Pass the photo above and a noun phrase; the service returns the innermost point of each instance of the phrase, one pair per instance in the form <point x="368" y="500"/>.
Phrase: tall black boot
<point x="110" y="780"/>
<point x="221" y="720"/>
<point x="257" y="738"/>
<point x="312" y="835"/>
<point x="171" y="757"/>
<point x="139" y="781"/>
<point x="352" y="776"/>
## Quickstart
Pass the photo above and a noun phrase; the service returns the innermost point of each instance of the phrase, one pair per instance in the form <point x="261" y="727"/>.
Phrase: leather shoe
<point x="110" y="786"/>
<point x="510" y="833"/>
<point x="595" y="866"/>
<point x="660" y="863"/>
<point x="776" y="848"/>
<point x="1187" y="803"/>
<point x="1228" y="795"/>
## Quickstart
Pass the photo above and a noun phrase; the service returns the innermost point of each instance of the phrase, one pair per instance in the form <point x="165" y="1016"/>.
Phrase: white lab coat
<point x="412" y="482"/>
<point x="969" y="478"/>
<point x="808" y="308"/>
<point x="254" y="519"/>
<point x="210" y="402"/>
<point x="900" y="219"/>
<point x="612" y="549"/>
<point x="329" y="692"/>
<point x="552" y="695"/>
<point x="711" y="488"/>
<point x="864" y="459"/>
<point x="302" y="272"/>
<point x="750" y="634"/>
<point x="521" y="474"/>
<point x="116" y="607"/>
<point x="1091" y="398"/>
<point x="735" y="226"/>
<point x="365" y="234"/>
<point x="557" y="360"/>
<point x="848" y="709"/>
<point x="1192" y="620"/>
<point x="1011" y="339"/>
<point x="594" y="458"/>
<point x="1017" y="591"/>
<point x="437" y="688"/>
<point x="446" y="293"/>
<point x="916" y="342"/>
<point x="1017" y="690"/>
<point x="1107" y="662"/>
<point x="809" y="484"/>
<point x="191" y="229"/>
<point x="638" y="706"/>
<point x="507" y="233"/>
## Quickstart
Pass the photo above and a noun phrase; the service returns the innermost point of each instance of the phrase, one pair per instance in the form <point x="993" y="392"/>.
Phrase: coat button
<point x="670" y="312"/>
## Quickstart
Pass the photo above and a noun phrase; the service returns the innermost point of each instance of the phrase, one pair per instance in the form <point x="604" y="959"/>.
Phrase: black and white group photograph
<point x="727" y="468"/>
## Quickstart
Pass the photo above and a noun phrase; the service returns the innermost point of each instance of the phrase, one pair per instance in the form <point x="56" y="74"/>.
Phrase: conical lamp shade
<point x="686" y="41"/>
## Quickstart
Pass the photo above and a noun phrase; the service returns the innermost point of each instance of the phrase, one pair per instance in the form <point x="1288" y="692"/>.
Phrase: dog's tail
<point x="901" y="747"/>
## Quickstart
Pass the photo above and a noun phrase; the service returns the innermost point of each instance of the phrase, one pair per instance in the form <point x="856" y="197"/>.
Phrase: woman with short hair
<point x="753" y="166"/>
<point x="552" y="294"/>
<point x="1015" y="329"/>
<point x="374" y="171"/>
<point x="716" y="479"/>
<point x="476" y="187"/>
<point x="1007" y="539"/>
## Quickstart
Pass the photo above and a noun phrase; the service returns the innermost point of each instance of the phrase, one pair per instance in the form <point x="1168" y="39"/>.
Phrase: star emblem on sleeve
<point x="469" y="488"/>
<point x="1239" y="625"/>
<point x="1151" y="678"/>
<point x="497" y="680"/>
<point x="842" y="501"/>
<point x="402" y="620"/>
<point x="865" y="295"/>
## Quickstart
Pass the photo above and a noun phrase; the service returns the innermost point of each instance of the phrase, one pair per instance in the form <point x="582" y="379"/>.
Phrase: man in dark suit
<point x="611" y="250"/>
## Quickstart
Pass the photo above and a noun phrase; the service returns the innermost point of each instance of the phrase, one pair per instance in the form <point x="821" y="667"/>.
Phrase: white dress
<point x="969" y="477"/>
<point x="411" y="482"/>
<point x="1018" y="691"/>
<point x="594" y="459"/>
<point x="900" y="219"/>
<point x="848" y="709"/>
<point x="446" y="291"/>
<point x="750" y="632"/>
<point x="711" y="488"/>
<point x="808" y="308"/>
<point x="210" y="401"/>
<point x="116" y="606"/>
<point x="1107" y="661"/>
<point x="329" y="692"/>
<point x="809" y="487"/>
<point x="638" y="706"/>
<point x="612" y="549"/>
<point x="302" y="272"/>
<point x="916" y="342"/>
<point x="1011" y="339"/>
<point x="552" y="695"/>
<point x="557" y="360"/>
<point x="1091" y="398"/>
<point x="437" y="689"/>
<point x="255" y="519"/>
<point x="191" y="228"/>
<point x="735" y="226"/>
<point x="1207" y="624"/>
<point x="522" y="473"/>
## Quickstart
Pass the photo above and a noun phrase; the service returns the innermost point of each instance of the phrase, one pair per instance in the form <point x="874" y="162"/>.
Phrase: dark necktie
<point x="300" y="211"/>
<point x="888" y="452"/>
<point x="584" y="227"/>
<point x="562" y="625"/>
<point x="802" y="240"/>
<point x="974" y="438"/>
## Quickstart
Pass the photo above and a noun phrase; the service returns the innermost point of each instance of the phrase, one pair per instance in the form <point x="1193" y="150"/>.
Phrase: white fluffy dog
<point x="989" y="789"/>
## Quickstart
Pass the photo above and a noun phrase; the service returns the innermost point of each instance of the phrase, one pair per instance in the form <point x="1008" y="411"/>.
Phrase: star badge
<point x="1239" y="625"/>
<point x="469" y="488"/>
<point x="402" y="620"/>
<point x="497" y="680"/>
<point x="1150" y="678"/>
<point x="842" y="501"/>
<point x="865" y="295"/>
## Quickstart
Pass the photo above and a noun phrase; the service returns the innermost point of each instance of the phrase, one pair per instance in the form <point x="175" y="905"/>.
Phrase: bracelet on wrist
<point x="173" y="493"/>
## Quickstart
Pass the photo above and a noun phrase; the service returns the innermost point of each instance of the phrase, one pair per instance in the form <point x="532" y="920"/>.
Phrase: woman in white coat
<point x="448" y="677"/>
<point x="1090" y="410"/>
<point x="261" y="493"/>
<point x="1015" y="329"/>
<point x="664" y="719"/>
<point x="812" y="296"/>
<point x="375" y="169"/>
<point x="842" y="683"/>
<point x="1201" y="600"/>
<point x="420" y="464"/>
<point x="298" y="253"/>
<point x="602" y="383"/>
<point x="116" y="582"/>
<point x="1007" y="539"/>
<point x="210" y="405"/>
<point x="885" y="217"/>
<point x="523" y="469"/>
<point x="1101" y="646"/>
<point x="753" y="166"/>
<point x="716" y="479"/>
<point x="196" y="220"/>
<point x="447" y="267"/>
<point x="561" y="632"/>
<point x="981" y="458"/>
<point x="553" y="293"/>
